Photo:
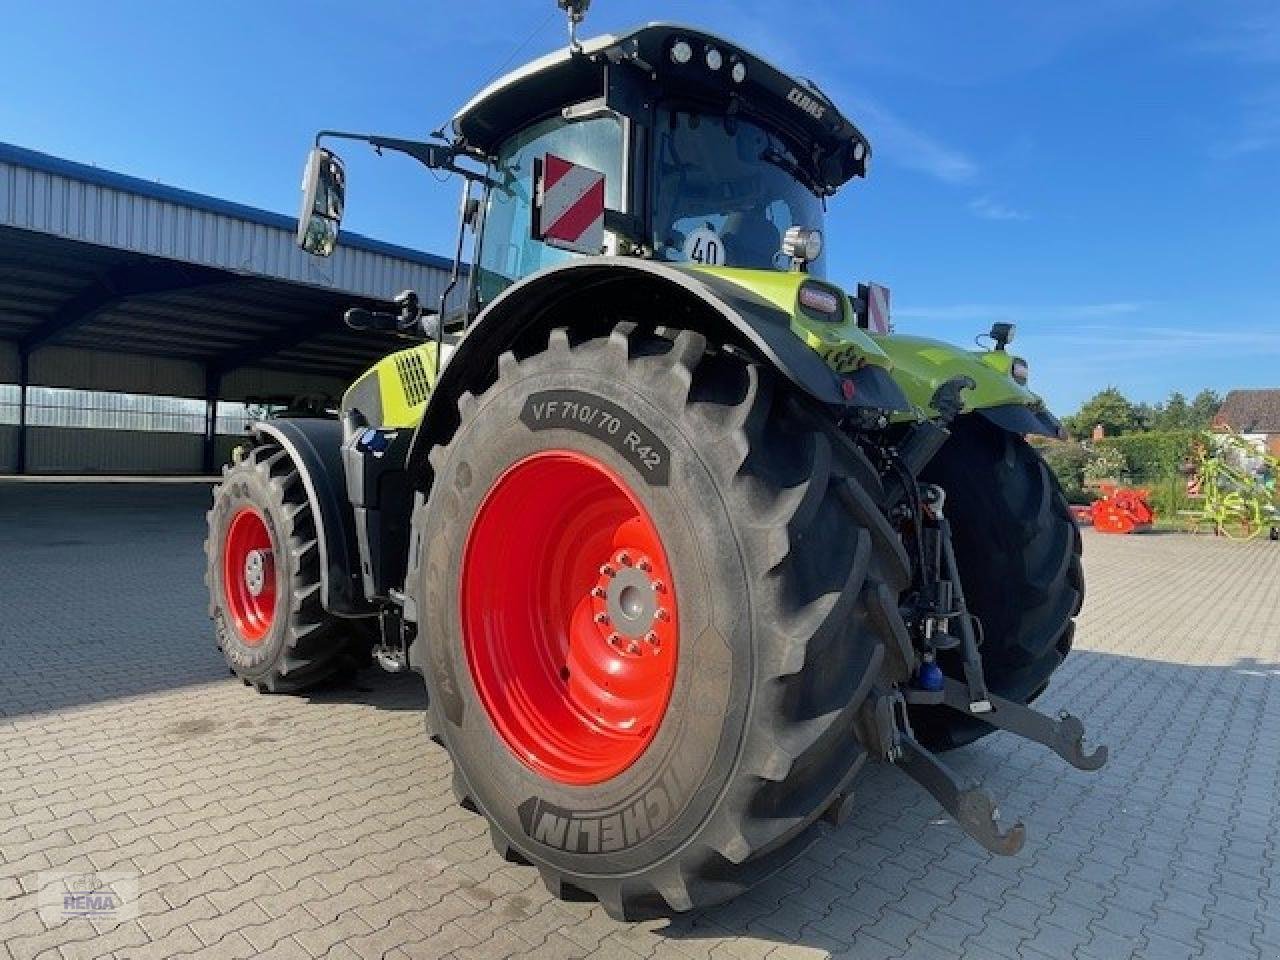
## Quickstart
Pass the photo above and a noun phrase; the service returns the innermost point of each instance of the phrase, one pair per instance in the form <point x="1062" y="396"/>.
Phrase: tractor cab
<point x="666" y="143"/>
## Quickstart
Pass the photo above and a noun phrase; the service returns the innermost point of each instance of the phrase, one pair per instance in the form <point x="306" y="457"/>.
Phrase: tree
<point x="1108" y="407"/>
<point x="1174" y="414"/>
<point x="1146" y="416"/>
<point x="1203" y="409"/>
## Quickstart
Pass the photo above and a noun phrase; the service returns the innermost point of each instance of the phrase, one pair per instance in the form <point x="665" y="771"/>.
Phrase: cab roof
<point x="832" y="149"/>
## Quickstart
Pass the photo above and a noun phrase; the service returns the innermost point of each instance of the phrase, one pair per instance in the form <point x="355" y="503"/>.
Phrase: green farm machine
<point x="678" y="531"/>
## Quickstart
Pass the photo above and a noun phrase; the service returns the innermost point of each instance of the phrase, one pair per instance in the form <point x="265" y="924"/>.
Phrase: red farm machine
<point x="1119" y="510"/>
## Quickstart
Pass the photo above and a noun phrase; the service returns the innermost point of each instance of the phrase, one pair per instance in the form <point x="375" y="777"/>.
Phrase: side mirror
<point x="324" y="189"/>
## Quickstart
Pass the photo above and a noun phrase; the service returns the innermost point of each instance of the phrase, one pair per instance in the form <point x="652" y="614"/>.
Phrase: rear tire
<point x="281" y="639"/>
<point x="785" y="576"/>
<point x="1018" y="548"/>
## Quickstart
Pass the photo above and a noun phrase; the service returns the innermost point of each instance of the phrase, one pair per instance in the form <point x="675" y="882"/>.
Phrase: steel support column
<point x="212" y="387"/>
<point x="24" y="378"/>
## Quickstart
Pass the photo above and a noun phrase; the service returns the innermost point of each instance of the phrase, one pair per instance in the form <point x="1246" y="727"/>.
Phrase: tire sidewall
<point x="674" y="786"/>
<point x="242" y="487"/>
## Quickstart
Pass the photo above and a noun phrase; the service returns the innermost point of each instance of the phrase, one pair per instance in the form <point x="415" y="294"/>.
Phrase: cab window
<point x="725" y="192"/>
<point x="508" y="250"/>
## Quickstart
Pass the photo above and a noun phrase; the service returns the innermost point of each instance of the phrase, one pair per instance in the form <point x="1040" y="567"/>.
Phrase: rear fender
<point x="316" y="448"/>
<point x="599" y="291"/>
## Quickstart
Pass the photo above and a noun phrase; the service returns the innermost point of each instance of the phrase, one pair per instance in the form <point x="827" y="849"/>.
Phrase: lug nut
<point x="602" y="618"/>
<point x="598" y="592"/>
<point x="644" y="565"/>
<point x="614" y="639"/>
<point x="651" y="637"/>
<point x="661" y="614"/>
<point x="607" y="571"/>
<point x="633" y="648"/>
<point x="624" y="558"/>
<point x="658" y="586"/>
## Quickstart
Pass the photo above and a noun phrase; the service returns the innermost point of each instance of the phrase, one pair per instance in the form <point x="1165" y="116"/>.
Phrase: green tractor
<point x="678" y="531"/>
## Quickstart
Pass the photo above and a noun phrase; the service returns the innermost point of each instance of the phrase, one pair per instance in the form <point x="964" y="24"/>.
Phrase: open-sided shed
<point x="112" y="283"/>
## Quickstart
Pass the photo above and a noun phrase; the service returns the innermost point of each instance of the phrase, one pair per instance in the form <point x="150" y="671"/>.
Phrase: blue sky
<point x="1106" y="173"/>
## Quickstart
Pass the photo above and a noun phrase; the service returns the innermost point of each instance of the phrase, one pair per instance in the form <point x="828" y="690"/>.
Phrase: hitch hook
<point x="1064" y="736"/>
<point x="973" y="808"/>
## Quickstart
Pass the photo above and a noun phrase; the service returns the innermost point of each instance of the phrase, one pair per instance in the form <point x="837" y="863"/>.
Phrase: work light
<point x="802" y="243"/>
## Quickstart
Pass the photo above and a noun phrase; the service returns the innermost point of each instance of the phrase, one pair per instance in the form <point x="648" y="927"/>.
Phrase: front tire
<point x="1018" y="549"/>
<point x="780" y="574"/>
<point x="263" y="575"/>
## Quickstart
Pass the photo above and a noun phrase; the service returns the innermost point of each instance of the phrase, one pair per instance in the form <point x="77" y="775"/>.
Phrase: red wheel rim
<point x="569" y="617"/>
<point x="248" y="575"/>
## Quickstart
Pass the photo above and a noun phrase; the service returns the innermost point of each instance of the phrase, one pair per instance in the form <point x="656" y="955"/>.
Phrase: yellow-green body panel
<point x="921" y="365"/>
<point x="404" y="381"/>
<point x="839" y="341"/>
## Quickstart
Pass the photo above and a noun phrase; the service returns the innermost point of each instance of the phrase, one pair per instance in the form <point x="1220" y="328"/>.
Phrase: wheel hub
<point x="625" y="604"/>
<point x="569" y="617"/>
<point x="257" y="570"/>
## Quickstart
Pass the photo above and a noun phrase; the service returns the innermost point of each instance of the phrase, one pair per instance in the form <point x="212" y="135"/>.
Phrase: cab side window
<point x="508" y="250"/>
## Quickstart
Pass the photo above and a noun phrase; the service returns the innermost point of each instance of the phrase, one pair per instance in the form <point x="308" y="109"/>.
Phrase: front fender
<point x="315" y="446"/>
<point x="1016" y="418"/>
<point x="601" y="290"/>
<point x="921" y="365"/>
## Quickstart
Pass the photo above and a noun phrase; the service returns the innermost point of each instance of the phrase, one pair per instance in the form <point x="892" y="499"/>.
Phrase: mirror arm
<point x="434" y="156"/>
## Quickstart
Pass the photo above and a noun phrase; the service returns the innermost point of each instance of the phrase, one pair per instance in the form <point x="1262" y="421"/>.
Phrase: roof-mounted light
<point x="714" y="58"/>
<point x="738" y="71"/>
<point x="1002" y="334"/>
<point x="802" y="244"/>
<point x="681" y="52"/>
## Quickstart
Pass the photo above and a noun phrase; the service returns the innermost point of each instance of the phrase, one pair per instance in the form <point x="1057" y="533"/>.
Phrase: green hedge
<point x="1153" y="460"/>
<point x="1158" y="461"/>
<point x="1155" y="455"/>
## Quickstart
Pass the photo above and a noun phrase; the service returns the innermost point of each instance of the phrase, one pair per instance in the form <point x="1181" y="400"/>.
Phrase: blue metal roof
<point x="47" y="163"/>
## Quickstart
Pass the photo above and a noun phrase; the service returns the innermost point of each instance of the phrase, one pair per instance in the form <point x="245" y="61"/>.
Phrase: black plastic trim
<point x="381" y="503"/>
<point x="875" y="388"/>
<point x="365" y="397"/>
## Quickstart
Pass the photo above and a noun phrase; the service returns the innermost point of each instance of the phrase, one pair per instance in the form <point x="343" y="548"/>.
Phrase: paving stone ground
<point x="324" y="826"/>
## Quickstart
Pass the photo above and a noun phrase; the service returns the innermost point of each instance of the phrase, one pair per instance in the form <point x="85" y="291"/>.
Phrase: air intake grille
<point x="413" y="377"/>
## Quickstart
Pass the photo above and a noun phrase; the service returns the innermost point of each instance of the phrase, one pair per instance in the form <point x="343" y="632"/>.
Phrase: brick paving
<point x="324" y="826"/>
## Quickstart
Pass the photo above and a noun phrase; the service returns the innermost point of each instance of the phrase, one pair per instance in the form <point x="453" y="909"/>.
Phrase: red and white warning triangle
<point x="570" y="211"/>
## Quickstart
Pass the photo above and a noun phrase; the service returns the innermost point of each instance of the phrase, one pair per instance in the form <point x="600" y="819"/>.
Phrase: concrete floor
<point x="324" y="825"/>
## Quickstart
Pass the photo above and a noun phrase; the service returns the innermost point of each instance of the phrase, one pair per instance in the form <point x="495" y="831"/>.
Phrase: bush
<point x="1067" y="459"/>
<point x="1152" y="457"/>
<point x="1106" y="463"/>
